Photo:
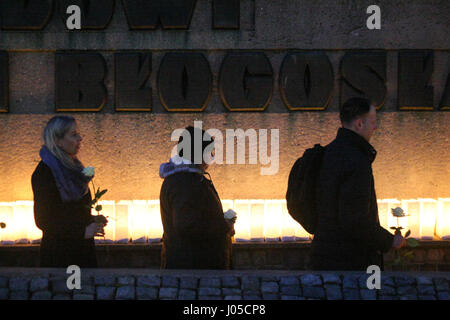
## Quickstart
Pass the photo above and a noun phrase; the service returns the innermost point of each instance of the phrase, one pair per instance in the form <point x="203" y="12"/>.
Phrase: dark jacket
<point x="63" y="224"/>
<point x="196" y="235"/>
<point x="348" y="235"/>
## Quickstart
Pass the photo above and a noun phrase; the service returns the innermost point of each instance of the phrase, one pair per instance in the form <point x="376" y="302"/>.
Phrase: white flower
<point x="398" y="212"/>
<point x="89" y="171"/>
<point x="229" y="214"/>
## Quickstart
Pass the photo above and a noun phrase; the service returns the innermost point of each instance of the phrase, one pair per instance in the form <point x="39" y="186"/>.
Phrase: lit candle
<point x="23" y="221"/>
<point x="412" y="207"/>
<point x="122" y="223"/>
<point x="257" y="220"/>
<point x="139" y="221"/>
<point x="383" y="213"/>
<point x="6" y="216"/>
<point x="242" y="226"/>
<point x="227" y="204"/>
<point x="155" y="230"/>
<point x="288" y="225"/>
<point x="273" y="219"/>
<point x="428" y="213"/>
<point x="108" y="210"/>
<point x="443" y="220"/>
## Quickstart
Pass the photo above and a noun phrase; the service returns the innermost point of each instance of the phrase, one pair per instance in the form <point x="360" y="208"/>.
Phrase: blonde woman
<point x="62" y="199"/>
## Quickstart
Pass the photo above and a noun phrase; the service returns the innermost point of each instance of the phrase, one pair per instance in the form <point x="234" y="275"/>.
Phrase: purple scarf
<point x="72" y="184"/>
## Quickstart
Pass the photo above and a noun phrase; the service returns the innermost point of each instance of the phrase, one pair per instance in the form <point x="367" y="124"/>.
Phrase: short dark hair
<point x="354" y="108"/>
<point x="192" y="131"/>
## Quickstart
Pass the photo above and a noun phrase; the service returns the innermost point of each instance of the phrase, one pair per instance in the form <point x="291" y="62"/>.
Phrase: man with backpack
<point x="339" y="204"/>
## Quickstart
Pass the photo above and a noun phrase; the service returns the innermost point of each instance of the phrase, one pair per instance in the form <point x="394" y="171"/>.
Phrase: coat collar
<point x="358" y="141"/>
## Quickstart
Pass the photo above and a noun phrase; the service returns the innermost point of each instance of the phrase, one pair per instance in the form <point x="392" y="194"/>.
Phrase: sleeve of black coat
<point x="50" y="213"/>
<point x="193" y="217"/>
<point x="354" y="211"/>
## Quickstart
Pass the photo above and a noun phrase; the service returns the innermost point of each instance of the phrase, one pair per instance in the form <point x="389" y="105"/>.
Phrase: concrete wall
<point x="127" y="148"/>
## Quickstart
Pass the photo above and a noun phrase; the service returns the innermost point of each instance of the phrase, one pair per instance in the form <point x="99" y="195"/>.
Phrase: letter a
<point x="74" y="21"/>
<point x="374" y="21"/>
<point x="74" y="281"/>
<point x="373" y="282"/>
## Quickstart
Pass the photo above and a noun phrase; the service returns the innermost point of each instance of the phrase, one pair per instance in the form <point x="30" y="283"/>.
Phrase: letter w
<point x="148" y="14"/>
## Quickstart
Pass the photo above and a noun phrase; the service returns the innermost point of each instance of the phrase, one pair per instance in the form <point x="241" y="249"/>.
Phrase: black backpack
<point x="301" y="192"/>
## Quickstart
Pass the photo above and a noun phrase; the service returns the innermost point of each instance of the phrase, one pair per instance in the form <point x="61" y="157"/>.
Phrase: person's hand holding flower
<point x="99" y="219"/>
<point x="230" y="217"/>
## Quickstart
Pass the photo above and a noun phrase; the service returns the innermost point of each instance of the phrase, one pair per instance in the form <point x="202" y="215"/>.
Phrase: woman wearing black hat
<point x="196" y="234"/>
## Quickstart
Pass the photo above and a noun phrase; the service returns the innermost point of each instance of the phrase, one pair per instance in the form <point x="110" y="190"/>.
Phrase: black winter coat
<point x="196" y="235"/>
<point x="63" y="224"/>
<point x="348" y="235"/>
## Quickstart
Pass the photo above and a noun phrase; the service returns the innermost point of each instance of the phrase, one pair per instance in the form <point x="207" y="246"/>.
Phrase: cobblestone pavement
<point x="141" y="284"/>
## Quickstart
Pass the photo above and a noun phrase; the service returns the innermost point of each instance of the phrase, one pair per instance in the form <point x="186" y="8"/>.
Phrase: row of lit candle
<point x="257" y="220"/>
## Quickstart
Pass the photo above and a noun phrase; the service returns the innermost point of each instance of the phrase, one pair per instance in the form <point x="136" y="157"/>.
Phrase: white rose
<point x="89" y="171"/>
<point x="398" y="212"/>
<point x="229" y="214"/>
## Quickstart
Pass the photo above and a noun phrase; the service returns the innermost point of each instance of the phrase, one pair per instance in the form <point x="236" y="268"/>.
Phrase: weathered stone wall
<point x="264" y="24"/>
<point x="127" y="148"/>
<point x="47" y="284"/>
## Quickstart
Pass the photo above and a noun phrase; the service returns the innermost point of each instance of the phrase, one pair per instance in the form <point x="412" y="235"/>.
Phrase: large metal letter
<point x="25" y="14"/>
<point x="306" y="81"/>
<point x="4" y="81"/>
<point x="414" y="73"/>
<point x="79" y="79"/>
<point x="226" y="14"/>
<point x="184" y="82"/>
<point x="246" y="81"/>
<point x="445" y="101"/>
<point x="148" y="14"/>
<point x="363" y="74"/>
<point x="132" y="73"/>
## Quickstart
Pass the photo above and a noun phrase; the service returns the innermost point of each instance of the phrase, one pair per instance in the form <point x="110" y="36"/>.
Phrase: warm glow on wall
<point x="257" y="220"/>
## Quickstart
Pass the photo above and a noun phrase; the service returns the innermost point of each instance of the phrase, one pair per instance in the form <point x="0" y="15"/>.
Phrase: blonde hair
<point x="55" y="129"/>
